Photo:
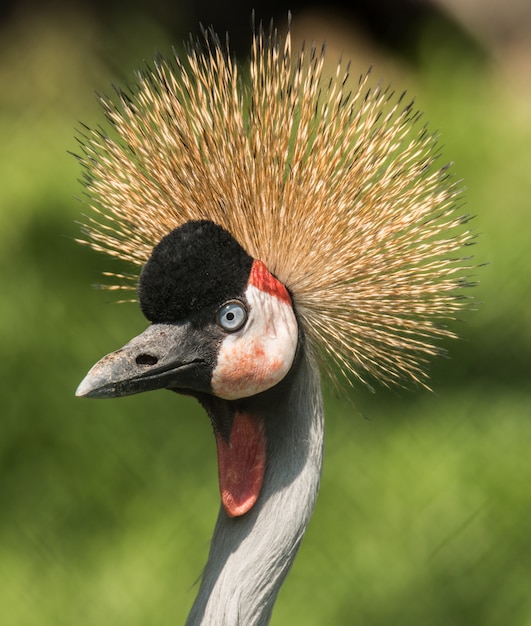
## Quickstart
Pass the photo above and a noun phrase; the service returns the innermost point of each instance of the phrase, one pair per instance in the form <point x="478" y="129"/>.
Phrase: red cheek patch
<point x="241" y="464"/>
<point x="262" y="279"/>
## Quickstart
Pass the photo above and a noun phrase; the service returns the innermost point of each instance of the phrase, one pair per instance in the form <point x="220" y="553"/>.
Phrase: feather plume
<point x="338" y="192"/>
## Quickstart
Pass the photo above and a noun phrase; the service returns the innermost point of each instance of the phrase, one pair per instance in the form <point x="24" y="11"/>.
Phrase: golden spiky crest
<point x="336" y="191"/>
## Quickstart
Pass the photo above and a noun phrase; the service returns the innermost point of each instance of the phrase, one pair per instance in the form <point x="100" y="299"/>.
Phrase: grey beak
<point x="171" y="356"/>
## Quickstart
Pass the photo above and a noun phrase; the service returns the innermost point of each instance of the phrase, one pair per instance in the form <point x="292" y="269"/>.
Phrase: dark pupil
<point x="230" y="316"/>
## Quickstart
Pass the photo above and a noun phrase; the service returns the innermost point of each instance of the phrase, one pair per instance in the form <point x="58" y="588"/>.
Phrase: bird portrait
<point x="286" y="226"/>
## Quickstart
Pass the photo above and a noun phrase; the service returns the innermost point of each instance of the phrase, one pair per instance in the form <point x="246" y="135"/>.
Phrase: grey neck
<point x="250" y="555"/>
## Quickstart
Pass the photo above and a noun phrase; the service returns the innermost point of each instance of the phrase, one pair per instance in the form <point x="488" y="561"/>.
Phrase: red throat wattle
<point x="241" y="463"/>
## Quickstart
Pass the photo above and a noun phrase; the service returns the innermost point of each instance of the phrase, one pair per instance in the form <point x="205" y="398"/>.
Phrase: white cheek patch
<point x="258" y="356"/>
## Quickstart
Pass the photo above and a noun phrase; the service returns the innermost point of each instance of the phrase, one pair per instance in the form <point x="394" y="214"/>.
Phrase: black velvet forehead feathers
<point x="196" y="267"/>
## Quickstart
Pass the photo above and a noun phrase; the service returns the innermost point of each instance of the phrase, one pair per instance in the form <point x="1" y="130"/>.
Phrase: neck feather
<point x="250" y="555"/>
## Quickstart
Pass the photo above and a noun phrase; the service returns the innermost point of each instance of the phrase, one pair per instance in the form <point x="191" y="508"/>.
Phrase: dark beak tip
<point x="103" y="379"/>
<point x="87" y="388"/>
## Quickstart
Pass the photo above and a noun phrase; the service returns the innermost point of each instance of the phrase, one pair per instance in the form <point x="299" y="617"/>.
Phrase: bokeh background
<point x="106" y="508"/>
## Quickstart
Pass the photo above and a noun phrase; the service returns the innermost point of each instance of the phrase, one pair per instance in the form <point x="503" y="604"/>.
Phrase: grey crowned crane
<point x="284" y="225"/>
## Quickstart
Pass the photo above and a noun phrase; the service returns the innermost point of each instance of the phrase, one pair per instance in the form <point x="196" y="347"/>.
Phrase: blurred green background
<point x="106" y="508"/>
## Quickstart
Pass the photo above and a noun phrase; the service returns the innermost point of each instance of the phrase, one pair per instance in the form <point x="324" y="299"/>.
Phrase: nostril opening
<point x="146" y="359"/>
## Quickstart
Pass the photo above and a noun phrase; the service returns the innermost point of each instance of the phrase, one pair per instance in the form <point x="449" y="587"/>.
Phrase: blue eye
<point x="232" y="316"/>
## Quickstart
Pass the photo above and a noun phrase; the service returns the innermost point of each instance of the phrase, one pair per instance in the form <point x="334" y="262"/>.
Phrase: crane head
<point x="331" y="188"/>
<point x="221" y="325"/>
